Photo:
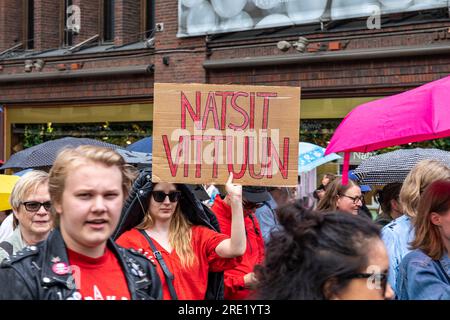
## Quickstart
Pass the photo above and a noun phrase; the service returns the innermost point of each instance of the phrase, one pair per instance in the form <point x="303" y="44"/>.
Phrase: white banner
<point x="200" y="17"/>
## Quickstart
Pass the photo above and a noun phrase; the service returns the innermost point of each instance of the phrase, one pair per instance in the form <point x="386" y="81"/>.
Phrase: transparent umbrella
<point x="311" y="156"/>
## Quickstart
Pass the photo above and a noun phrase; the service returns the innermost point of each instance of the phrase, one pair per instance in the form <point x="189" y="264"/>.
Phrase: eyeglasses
<point x="252" y="205"/>
<point x="34" y="206"/>
<point x="354" y="199"/>
<point x="378" y="280"/>
<point x="160" y="196"/>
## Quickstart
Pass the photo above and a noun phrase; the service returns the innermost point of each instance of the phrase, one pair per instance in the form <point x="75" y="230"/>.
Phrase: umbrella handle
<point x="345" y="168"/>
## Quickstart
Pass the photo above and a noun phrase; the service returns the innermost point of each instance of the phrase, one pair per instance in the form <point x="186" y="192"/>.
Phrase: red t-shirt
<point x="254" y="254"/>
<point x="189" y="283"/>
<point x="99" y="278"/>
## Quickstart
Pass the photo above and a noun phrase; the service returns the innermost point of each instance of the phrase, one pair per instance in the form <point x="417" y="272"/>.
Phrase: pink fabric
<point x="415" y="115"/>
<point x="412" y="116"/>
<point x="345" y="169"/>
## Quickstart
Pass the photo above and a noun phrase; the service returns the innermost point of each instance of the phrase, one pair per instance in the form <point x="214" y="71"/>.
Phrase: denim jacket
<point x="267" y="218"/>
<point x="421" y="278"/>
<point x="396" y="236"/>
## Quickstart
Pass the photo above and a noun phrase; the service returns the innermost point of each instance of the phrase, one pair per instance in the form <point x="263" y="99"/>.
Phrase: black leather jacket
<point x="28" y="274"/>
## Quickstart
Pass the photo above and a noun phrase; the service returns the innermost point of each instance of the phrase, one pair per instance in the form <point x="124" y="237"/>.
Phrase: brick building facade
<point x="342" y="66"/>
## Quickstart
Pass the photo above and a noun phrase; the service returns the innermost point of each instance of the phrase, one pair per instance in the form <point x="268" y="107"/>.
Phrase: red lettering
<point x="216" y="140"/>
<point x="223" y="113"/>
<point x="266" y="96"/>
<point x="267" y="162"/>
<point x="240" y="110"/>
<point x="251" y="165"/>
<point x="173" y="165"/>
<point x="252" y="110"/>
<point x="210" y="107"/>
<point x="282" y="166"/>
<point x="185" y="104"/>
<point x="230" y="146"/>
<point x="198" y="155"/>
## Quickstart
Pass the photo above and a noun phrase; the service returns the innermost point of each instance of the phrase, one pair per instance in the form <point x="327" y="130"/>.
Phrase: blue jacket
<point x="396" y="236"/>
<point x="267" y="218"/>
<point x="421" y="278"/>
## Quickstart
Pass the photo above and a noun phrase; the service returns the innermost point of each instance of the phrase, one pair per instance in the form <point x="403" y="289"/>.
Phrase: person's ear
<point x="329" y="289"/>
<point x="57" y="207"/>
<point x="395" y="205"/>
<point x="435" y="219"/>
<point x="337" y="200"/>
<point x="15" y="212"/>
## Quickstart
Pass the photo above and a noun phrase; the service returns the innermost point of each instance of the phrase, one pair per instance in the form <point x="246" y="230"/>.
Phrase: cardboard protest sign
<point x="202" y="132"/>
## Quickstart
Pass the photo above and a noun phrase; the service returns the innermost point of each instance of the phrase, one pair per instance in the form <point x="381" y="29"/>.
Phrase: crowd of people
<point x="95" y="228"/>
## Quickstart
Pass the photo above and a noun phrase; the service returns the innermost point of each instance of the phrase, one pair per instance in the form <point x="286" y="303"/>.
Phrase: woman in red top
<point x="240" y="280"/>
<point x="189" y="251"/>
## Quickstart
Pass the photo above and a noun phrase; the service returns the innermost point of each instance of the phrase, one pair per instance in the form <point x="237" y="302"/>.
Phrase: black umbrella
<point x="394" y="166"/>
<point x="139" y="159"/>
<point x="43" y="155"/>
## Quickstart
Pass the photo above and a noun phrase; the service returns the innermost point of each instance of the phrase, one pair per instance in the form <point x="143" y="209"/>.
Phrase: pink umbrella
<point x="415" y="115"/>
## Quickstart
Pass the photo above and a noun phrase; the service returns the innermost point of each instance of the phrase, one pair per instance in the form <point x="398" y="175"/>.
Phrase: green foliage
<point x="121" y="134"/>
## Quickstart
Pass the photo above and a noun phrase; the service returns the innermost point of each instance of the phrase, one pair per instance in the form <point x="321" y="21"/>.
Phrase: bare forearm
<point x="236" y="245"/>
<point x="237" y="240"/>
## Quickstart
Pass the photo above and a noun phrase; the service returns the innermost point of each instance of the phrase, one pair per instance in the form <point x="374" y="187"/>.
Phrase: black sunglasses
<point x="252" y="205"/>
<point x="160" y="196"/>
<point x="34" y="206"/>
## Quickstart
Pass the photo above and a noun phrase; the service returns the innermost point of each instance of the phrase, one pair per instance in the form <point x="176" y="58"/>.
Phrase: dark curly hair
<point x="313" y="256"/>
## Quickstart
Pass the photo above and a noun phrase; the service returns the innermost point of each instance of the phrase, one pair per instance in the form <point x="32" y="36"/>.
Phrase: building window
<point x="28" y="37"/>
<point x="108" y="20"/>
<point x="148" y="18"/>
<point x="68" y="33"/>
<point x="25" y="135"/>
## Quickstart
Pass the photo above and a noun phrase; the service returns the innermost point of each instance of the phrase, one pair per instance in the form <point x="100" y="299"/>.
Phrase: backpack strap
<point x="272" y="211"/>
<point x="167" y="274"/>
<point x="252" y="217"/>
<point x="8" y="247"/>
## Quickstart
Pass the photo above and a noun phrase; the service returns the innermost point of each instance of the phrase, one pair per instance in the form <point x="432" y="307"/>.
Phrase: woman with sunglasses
<point x="78" y="260"/>
<point x="318" y="256"/>
<point x="339" y="197"/>
<point x="183" y="252"/>
<point x="30" y="202"/>
<point x="425" y="272"/>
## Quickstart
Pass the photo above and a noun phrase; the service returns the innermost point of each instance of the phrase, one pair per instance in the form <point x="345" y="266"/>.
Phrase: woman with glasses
<point x="184" y="252"/>
<point x="338" y="197"/>
<point x="318" y="256"/>
<point x="30" y="202"/>
<point x="425" y="272"/>
<point x="78" y="260"/>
